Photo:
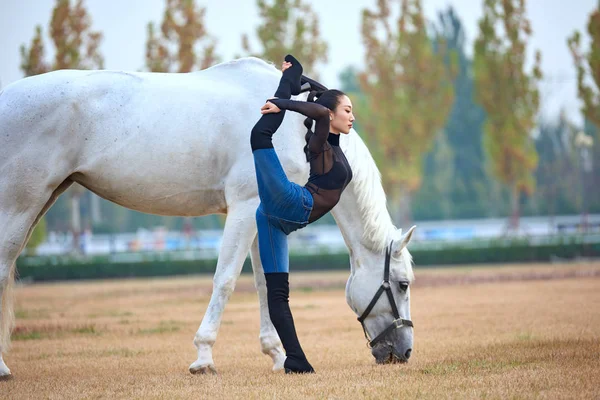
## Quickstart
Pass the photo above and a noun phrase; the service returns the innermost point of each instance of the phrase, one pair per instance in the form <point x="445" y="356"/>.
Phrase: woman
<point x="286" y="206"/>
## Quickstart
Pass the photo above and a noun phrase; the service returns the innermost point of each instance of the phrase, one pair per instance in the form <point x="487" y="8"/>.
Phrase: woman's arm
<point x="309" y="109"/>
<point x="312" y="110"/>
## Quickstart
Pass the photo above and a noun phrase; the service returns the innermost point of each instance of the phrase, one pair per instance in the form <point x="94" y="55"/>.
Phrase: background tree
<point x="457" y="156"/>
<point x="408" y="93"/>
<point x="182" y="30"/>
<point x="557" y="158"/>
<point x="509" y="96"/>
<point x="588" y="90"/>
<point x="32" y="58"/>
<point x="588" y="68"/>
<point x="433" y="199"/>
<point x="288" y="26"/>
<point x="76" y="47"/>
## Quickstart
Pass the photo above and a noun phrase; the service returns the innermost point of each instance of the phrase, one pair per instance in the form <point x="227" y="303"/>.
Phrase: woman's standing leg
<point x="273" y="249"/>
<point x="272" y="241"/>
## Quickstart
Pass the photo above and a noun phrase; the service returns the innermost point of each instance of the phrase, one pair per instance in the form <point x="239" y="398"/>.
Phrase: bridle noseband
<point x="385" y="286"/>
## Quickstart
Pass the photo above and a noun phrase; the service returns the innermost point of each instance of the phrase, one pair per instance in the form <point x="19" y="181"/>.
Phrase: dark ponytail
<point x="308" y="123"/>
<point x="330" y="99"/>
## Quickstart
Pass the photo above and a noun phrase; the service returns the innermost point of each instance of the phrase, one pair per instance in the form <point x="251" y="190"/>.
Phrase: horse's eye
<point x="403" y="286"/>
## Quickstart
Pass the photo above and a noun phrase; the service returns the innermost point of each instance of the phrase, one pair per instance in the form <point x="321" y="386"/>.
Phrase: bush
<point x="167" y="264"/>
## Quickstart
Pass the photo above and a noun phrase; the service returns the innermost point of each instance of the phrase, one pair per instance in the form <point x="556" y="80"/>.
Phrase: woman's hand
<point x="269" y="108"/>
<point x="285" y="65"/>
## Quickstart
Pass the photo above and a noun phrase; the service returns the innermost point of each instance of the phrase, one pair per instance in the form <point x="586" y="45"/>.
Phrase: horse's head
<point x="387" y="326"/>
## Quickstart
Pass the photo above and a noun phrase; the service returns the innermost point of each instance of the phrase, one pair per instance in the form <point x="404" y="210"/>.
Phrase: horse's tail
<point x="7" y="315"/>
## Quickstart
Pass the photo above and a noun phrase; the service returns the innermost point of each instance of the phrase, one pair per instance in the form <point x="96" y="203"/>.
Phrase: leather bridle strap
<point x="385" y="287"/>
<point x="397" y="323"/>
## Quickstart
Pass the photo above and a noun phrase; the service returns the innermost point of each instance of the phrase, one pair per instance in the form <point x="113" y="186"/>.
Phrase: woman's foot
<point x="314" y="85"/>
<point x="278" y="291"/>
<point x="293" y="74"/>
<point x="294" y="366"/>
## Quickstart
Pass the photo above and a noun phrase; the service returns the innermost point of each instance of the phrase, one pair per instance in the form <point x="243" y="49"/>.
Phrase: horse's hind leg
<point x="20" y="211"/>
<point x="269" y="340"/>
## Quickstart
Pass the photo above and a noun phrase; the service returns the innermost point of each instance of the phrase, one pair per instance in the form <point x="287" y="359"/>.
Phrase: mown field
<point x="492" y="332"/>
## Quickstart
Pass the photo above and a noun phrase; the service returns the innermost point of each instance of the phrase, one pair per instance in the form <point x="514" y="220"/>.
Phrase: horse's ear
<point x="402" y="242"/>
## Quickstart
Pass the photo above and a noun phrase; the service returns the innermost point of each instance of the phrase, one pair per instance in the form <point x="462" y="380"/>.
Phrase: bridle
<point x="385" y="286"/>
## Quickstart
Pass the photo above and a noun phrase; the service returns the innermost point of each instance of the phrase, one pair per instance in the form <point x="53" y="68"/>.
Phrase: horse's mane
<point x="366" y="184"/>
<point x="371" y="199"/>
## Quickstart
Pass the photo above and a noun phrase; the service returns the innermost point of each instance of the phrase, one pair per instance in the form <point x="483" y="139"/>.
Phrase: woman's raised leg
<point x="266" y="126"/>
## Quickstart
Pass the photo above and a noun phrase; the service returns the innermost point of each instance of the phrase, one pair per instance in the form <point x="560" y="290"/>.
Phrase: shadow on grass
<point x="47" y="331"/>
<point x="163" y="327"/>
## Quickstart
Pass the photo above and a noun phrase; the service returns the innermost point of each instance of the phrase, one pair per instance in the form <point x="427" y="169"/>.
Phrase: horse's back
<point x="116" y="132"/>
<point x="242" y="77"/>
<point x="81" y="103"/>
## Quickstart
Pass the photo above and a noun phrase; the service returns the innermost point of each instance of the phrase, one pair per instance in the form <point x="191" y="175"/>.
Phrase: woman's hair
<point x="330" y="99"/>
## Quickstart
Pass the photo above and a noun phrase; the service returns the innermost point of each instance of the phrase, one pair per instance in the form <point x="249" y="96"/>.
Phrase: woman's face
<point x="341" y="120"/>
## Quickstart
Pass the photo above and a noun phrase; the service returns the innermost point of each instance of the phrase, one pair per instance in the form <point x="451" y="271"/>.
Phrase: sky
<point x="123" y="24"/>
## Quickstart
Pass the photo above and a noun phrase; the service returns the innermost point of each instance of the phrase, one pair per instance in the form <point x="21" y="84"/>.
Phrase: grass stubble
<point x="475" y="337"/>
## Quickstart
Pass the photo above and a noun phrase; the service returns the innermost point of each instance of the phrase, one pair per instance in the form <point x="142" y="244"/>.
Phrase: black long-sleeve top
<point x="330" y="171"/>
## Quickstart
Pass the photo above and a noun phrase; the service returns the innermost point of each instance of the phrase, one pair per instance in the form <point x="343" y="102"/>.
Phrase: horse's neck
<point x="361" y="214"/>
<point x="347" y="217"/>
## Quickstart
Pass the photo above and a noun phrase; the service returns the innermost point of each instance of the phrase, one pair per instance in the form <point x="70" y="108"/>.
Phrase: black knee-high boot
<point x="266" y="126"/>
<point x="291" y="79"/>
<point x="278" y="291"/>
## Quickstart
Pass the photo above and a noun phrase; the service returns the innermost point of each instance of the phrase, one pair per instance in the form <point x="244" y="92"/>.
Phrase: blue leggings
<point x="284" y="207"/>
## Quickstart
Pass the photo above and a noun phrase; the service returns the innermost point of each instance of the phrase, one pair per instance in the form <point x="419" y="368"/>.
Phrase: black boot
<point x="261" y="135"/>
<point x="290" y="83"/>
<point x="313" y="85"/>
<point x="278" y="291"/>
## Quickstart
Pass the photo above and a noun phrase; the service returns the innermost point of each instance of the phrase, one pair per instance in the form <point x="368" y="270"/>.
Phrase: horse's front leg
<point x="269" y="340"/>
<point x="240" y="230"/>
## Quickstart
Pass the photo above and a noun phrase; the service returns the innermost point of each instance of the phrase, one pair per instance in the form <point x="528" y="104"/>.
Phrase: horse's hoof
<point x="206" y="369"/>
<point x="6" y="377"/>
<point x="278" y="362"/>
<point x="277" y="356"/>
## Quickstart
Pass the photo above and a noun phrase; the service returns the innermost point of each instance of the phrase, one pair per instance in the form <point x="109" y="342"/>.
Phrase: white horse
<point x="179" y="144"/>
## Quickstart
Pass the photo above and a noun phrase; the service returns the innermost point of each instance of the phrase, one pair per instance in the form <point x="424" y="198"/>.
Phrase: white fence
<point x="313" y="238"/>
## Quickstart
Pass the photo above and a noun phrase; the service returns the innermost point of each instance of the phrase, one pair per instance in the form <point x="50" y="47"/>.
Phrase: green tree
<point x="588" y="68"/>
<point x="594" y="184"/>
<point x="408" y="96"/>
<point x="76" y="47"/>
<point x="433" y="200"/>
<point x="509" y="95"/>
<point x="32" y="58"/>
<point x="464" y="129"/>
<point x="349" y="80"/>
<point x="554" y="145"/>
<point x="588" y="89"/>
<point x="288" y="26"/>
<point x="182" y="28"/>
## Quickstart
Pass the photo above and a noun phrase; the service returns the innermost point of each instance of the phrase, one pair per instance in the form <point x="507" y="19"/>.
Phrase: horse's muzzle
<point x="386" y="354"/>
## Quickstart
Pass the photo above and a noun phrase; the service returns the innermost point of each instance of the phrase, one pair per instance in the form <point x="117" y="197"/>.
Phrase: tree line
<point x="455" y="136"/>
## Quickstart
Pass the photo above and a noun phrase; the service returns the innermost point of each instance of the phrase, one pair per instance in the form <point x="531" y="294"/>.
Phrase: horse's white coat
<point x="177" y="144"/>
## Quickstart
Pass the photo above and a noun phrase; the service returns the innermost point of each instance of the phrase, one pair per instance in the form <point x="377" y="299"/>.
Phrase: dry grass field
<point x="495" y="332"/>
